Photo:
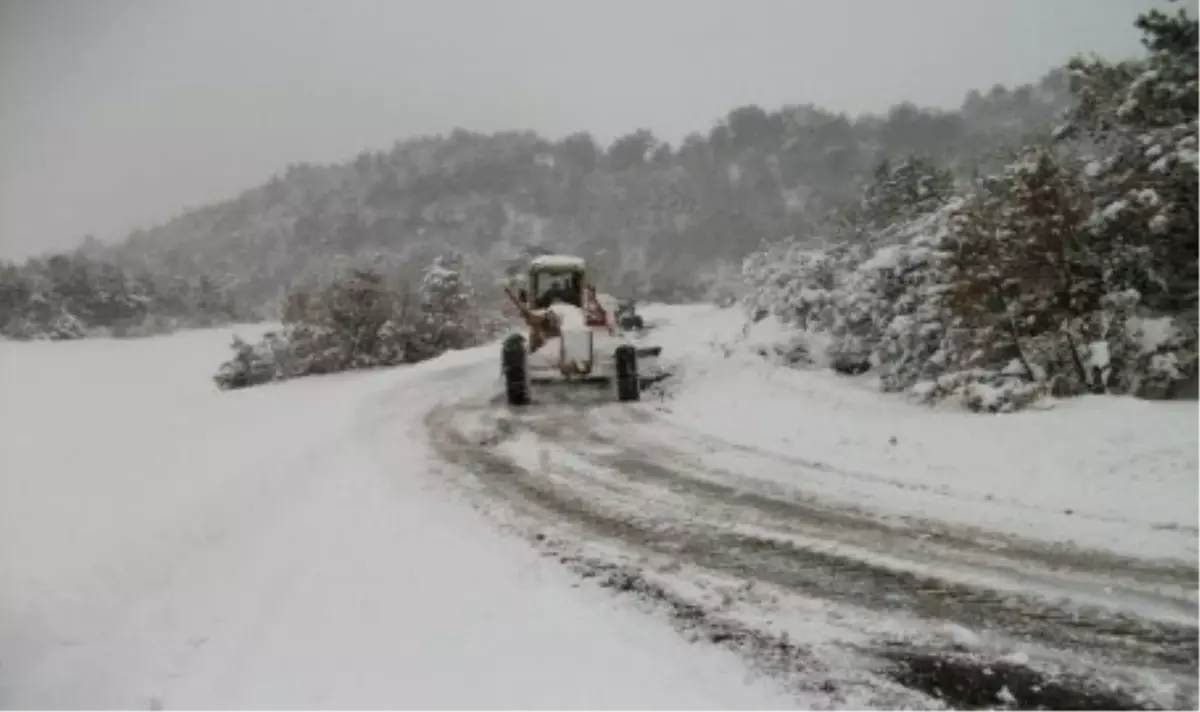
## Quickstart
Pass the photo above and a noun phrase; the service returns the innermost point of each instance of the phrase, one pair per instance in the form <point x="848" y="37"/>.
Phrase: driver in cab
<point x="561" y="289"/>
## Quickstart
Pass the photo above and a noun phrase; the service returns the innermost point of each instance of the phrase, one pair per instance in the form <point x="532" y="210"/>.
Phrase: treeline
<point x="1070" y="270"/>
<point x="74" y="295"/>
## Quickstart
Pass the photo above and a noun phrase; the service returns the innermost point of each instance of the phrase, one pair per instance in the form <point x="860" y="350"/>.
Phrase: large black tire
<point x="512" y="367"/>
<point x="629" y="388"/>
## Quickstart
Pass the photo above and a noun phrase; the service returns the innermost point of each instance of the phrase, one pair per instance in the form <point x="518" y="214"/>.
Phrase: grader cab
<point x="557" y="286"/>
<point x="571" y="337"/>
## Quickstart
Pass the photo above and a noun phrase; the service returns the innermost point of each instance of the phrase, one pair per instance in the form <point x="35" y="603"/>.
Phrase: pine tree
<point x="446" y="306"/>
<point x="1142" y="119"/>
<point x="898" y="192"/>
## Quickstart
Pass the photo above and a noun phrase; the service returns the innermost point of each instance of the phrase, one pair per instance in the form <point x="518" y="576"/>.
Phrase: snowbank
<point x="1097" y="471"/>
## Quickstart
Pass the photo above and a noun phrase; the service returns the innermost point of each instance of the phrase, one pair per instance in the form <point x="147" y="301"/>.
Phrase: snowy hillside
<point x="658" y="219"/>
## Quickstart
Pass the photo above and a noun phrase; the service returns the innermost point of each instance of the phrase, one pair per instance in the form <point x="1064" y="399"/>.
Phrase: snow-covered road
<point x="1079" y="561"/>
<point x="317" y="544"/>
<point x="166" y="545"/>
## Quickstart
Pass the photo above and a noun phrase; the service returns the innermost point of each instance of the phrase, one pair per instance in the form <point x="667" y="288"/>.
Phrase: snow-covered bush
<point x="1161" y="357"/>
<point x="359" y="321"/>
<point x="1071" y="271"/>
<point x="864" y="305"/>
<point x="255" y="364"/>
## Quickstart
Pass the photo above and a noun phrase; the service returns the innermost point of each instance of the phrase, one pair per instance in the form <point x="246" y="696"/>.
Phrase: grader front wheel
<point x="513" y="368"/>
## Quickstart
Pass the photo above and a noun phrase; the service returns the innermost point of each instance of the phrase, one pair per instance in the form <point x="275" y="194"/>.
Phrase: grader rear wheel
<point x="513" y="368"/>
<point x="629" y="386"/>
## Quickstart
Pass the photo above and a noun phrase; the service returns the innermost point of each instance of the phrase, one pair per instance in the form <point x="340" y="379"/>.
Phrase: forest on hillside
<point x="656" y="221"/>
<point x="633" y="208"/>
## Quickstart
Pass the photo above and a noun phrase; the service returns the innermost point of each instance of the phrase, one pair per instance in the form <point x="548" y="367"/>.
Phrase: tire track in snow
<point x="1168" y="588"/>
<point x="826" y="573"/>
<point x="1023" y="550"/>
<point x="802" y="546"/>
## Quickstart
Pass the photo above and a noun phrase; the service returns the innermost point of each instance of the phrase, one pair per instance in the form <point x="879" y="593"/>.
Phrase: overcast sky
<point x="119" y="113"/>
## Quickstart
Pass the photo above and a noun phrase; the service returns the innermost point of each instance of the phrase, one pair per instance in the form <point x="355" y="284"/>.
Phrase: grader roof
<point x="562" y="263"/>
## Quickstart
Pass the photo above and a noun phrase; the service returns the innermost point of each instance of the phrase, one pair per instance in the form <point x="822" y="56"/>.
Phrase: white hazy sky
<point x="120" y="113"/>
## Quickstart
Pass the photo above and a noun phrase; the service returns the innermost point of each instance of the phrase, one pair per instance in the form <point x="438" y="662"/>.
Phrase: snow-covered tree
<point x="1022" y="276"/>
<point x="256" y="364"/>
<point x="447" y="316"/>
<point x="902" y="190"/>
<point x="1138" y="121"/>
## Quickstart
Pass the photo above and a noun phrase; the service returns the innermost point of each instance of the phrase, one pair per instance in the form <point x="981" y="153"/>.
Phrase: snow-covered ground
<point x="302" y="545"/>
<point x="1096" y="472"/>
<point x="166" y="544"/>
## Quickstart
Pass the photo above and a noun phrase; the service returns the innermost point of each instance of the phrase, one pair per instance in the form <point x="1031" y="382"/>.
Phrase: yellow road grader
<point x="572" y="338"/>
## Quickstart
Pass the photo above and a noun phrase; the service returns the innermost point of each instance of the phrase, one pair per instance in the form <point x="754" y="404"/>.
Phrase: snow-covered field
<point x="165" y="544"/>
<point x="1097" y="472"/>
<point x="309" y="544"/>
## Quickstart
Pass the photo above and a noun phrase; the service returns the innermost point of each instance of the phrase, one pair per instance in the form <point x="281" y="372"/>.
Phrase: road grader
<point x="571" y="339"/>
